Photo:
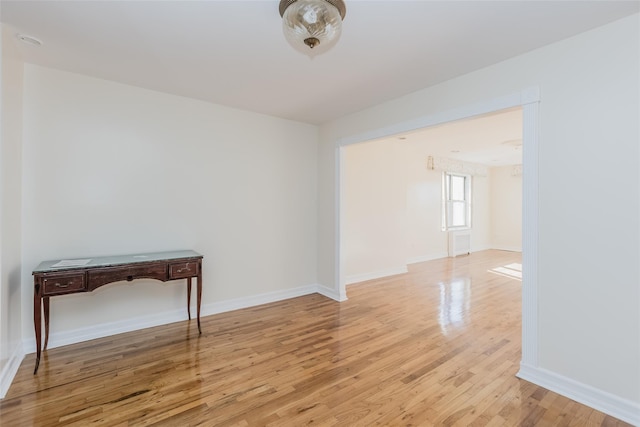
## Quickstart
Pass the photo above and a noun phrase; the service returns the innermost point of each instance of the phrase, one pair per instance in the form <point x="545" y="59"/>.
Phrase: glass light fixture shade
<point x="312" y="26"/>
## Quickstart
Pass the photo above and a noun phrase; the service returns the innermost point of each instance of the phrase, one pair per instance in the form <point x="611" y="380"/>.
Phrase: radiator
<point x="459" y="242"/>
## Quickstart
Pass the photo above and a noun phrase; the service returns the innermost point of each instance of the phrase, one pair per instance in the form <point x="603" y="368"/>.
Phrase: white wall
<point x="114" y="169"/>
<point x="425" y="238"/>
<point x="481" y="214"/>
<point x="588" y="275"/>
<point x="506" y="209"/>
<point x="375" y="211"/>
<point x="10" y="210"/>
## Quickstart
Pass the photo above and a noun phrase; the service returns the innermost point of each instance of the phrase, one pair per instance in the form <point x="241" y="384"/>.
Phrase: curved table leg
<point x="37" y="324"/>
<point x="199" y="294"/>
<point x="189" y="297"/>
<point x="45" y="301"/>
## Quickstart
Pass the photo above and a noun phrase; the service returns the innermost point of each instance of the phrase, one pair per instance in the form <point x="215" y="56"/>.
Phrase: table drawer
<point x="63" y="284"/>
<point x="102" y="276"/>
<point x="183" y="269"/>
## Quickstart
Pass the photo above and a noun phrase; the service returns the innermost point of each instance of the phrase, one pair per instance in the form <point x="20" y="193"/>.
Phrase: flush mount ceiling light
<point x="312" y="26"/>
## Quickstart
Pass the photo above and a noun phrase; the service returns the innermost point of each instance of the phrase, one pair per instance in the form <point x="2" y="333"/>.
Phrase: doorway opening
<point x="526" y="104"/>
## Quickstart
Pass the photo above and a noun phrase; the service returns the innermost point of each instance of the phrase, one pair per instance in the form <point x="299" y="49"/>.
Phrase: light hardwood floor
<point x="439" y="346"/>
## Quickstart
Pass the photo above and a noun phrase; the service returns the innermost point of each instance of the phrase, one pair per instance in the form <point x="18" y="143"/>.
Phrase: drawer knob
<point x="60" y="285"/>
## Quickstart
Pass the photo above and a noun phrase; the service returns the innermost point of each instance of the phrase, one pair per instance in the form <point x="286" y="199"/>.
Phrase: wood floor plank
<point x="437" y="346"/>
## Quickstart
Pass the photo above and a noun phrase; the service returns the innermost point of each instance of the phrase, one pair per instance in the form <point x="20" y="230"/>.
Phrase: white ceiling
<point x="233" y="52"/>
<point x="493" y="139"/>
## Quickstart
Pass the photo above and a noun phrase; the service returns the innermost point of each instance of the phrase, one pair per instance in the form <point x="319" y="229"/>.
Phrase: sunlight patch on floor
<point x="513" y="271"/>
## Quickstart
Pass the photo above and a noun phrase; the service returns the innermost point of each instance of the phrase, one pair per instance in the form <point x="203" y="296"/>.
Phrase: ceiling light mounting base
<point x="338" y="4"/>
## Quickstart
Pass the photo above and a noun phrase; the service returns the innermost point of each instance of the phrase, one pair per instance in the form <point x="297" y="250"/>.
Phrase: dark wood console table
<point x="63" y="277"/>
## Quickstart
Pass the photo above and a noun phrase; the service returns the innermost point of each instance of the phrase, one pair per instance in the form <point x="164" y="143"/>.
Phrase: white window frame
<point x="448" y="201"/>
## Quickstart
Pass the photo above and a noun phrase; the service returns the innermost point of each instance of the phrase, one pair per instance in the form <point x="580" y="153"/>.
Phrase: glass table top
<point x="106" y="261"/>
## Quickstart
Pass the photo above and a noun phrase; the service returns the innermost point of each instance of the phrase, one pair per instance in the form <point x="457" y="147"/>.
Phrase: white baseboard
<point x="425" y="258"/>
<point x="58" y="339"/>
<point x="133" y="324"/>
<point x="330" y="293"/>
<point x="10" y="369"/>
<point x="356" y="278"/>
<point x="252" y="301"/>
<point x="508" y="248"/>
<point x="602" y="401"/>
